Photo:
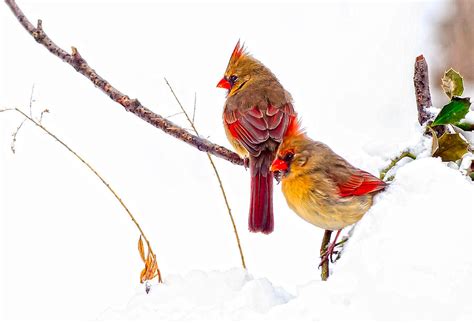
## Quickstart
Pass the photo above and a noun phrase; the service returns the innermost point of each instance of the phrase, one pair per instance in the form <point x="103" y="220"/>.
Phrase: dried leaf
<point x="434" y="143"/>
<point x="452" y="83"/>
<point x="468" y="135"/>
<point x="451" y="147"/>
<point x="151" y="268"/>
<point x="142" y="275"/>
<point x="452" y="112"/>
<point x="141" y="249"/>
<point x="154" y="267"/>
<point x="150" y="262"/>
<point x="151" y="265"/>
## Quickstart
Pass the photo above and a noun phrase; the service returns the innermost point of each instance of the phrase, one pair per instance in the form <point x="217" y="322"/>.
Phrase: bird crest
<point x="237" y="53"/>
<point x="294" y="127"/>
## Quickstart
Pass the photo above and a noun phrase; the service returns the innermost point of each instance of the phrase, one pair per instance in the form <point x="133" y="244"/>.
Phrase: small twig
<point x="14" y="134"/>
<point x="117" y="197"/>
<point x="215" y="171"/>
<point x="394" y="161"/>
<point x="174" y="115"/>
<point x="324" y="245"/>
<point x="131" y="105"/>
<point x="31" y="99"/>
<point x="41" y="115"/>
<point x="194" y="107"/>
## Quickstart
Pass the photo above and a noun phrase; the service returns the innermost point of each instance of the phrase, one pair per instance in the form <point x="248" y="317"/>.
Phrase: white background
<point x="67" y="247"/>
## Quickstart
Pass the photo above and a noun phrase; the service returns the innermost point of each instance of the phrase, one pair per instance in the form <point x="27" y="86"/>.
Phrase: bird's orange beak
<point x="224" y="83"/>
<point x="278" y="165"/>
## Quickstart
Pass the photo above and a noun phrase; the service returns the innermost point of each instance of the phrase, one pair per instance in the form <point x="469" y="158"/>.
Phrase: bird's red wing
<point x="257" y="130"/>
<point x="360" y="183"/>
<point x="254" y="127"/>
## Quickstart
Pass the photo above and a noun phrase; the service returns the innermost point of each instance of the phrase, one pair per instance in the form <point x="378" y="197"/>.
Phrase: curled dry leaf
<point x="151" y="265"/>
<point x="151" y="269"/>
<point x="141" y="250"/>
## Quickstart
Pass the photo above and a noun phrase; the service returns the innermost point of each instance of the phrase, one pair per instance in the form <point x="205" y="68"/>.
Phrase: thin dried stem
<point x="174" y="115"/>
<point x="242" y="258"/>
<point x="31" y="99"/>
<point x="131" y="105"/>
<point x="42" y="114"/>
<point x="117" y="197"/>
<point x="194" y="106"/>
<point x="14" y="134"/>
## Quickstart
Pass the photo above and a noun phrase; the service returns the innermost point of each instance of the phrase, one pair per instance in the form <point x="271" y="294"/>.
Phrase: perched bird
<point x="256" y="115"/>
<point x="320" y="186"/>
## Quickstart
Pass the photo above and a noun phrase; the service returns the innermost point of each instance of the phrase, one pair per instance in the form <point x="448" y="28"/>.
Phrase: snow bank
<point x="233" y="294"/>
<point x="409" y="258"/>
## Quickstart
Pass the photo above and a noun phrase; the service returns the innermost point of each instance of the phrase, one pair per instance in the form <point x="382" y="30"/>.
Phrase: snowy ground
<point x="409" y="258"/>
<point x="69" y="251"/>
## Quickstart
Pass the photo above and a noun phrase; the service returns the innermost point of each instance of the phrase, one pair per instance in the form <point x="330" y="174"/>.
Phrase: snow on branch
<point x="131" y="105"/>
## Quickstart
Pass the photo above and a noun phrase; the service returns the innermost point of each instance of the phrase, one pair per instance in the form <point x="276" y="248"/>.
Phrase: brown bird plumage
<point x="256" y="115"/>
<point x="320" y="186"/>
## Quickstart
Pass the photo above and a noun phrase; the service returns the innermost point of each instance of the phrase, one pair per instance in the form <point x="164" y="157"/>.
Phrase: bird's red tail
<point x="261" y="199"/>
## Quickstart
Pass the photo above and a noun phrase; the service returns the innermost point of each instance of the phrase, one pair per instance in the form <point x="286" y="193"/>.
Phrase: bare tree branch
<point x="131" y="105"/>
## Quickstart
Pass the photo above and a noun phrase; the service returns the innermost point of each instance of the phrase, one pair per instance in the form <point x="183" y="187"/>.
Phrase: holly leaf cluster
<point x="452" y="145"/>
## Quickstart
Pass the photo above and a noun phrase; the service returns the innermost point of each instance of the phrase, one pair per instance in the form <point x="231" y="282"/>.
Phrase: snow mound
<point x="409" y="258"/>
<point x="232" y="294"/>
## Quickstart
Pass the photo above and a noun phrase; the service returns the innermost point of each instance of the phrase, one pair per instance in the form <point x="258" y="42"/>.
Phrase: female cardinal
<point x="256" y="115"/>
<point x="320" y="186"/>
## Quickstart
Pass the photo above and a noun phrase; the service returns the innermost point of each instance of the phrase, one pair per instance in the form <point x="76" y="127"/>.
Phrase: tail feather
<point x="261" y="200"/>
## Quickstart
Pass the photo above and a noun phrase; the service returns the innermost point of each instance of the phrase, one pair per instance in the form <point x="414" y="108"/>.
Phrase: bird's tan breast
<point x="316" y="200"/>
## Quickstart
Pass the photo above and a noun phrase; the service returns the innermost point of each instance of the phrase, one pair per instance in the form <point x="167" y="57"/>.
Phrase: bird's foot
<point x="246" y="162"/>
<point x="327" y="255"/>
<point x="277" y="175"/>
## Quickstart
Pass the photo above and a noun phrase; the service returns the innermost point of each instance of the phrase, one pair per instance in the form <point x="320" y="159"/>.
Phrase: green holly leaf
<point x="450" y="146"/>
<point x="452" y="83"/>
<point x="466" y="126"/>
<point x="452" y="112"/>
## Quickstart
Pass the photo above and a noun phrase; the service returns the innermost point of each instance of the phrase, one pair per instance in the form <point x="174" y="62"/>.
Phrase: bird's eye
<point x="288" y="156"/>
<point x="232" y="79"/>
